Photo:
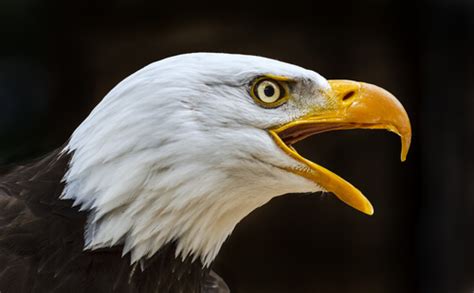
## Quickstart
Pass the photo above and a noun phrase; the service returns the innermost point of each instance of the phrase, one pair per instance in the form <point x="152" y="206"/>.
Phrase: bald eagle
<point x="147" y="189"/>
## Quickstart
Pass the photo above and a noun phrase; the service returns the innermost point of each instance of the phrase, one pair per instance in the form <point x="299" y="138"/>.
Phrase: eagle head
<point x="186" y="147"/>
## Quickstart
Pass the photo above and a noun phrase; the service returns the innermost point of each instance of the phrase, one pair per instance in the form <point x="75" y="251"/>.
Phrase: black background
<point x="59" y="58"/>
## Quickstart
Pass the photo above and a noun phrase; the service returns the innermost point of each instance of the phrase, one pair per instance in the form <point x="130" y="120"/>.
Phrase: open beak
<point x="351" y="105"/>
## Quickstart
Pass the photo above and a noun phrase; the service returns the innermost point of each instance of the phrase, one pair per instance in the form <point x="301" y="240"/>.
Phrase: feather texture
<point x="42" y="241"/>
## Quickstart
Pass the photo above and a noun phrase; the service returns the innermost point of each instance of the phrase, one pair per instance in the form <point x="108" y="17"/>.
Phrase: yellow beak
<point x="351" y="105"/>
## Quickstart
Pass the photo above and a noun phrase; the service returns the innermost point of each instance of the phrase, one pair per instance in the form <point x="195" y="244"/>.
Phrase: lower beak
<point x="351" y="105"/>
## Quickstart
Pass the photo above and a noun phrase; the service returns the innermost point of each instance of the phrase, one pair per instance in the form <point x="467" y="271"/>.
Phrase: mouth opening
<point x="325" y="179"/>
<point x="301" y="131"/>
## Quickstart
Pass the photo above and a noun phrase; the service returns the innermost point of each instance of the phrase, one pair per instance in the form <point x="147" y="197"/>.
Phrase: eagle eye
<point x="269" y="93"/>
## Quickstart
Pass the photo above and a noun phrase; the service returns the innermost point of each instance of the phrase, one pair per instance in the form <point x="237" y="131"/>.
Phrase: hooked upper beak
<point x="350" y="105"/>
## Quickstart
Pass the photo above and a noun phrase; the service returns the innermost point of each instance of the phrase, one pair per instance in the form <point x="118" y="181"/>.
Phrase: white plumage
<point x="179" y="152"/>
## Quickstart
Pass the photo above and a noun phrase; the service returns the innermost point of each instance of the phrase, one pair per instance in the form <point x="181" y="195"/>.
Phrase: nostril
<point x="348" y="95"/>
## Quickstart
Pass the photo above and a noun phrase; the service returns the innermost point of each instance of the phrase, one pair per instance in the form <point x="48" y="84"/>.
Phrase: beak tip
<point x="369" y="210"/>
<point x="406" y="141"/>
<point x="403" y="157"/>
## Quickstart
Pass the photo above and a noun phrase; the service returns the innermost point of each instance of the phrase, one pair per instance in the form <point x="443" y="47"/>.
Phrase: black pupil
<point x="269" y="91"/>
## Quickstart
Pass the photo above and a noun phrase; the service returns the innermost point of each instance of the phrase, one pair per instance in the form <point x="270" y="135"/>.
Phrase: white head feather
<point x="179" y="151"/>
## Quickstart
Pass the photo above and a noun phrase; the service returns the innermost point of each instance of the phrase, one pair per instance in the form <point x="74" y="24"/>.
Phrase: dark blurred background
<point x="59" y="58"/>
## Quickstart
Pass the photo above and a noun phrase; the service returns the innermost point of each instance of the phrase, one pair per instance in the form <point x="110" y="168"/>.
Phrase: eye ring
<point x="269" y="93"/>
